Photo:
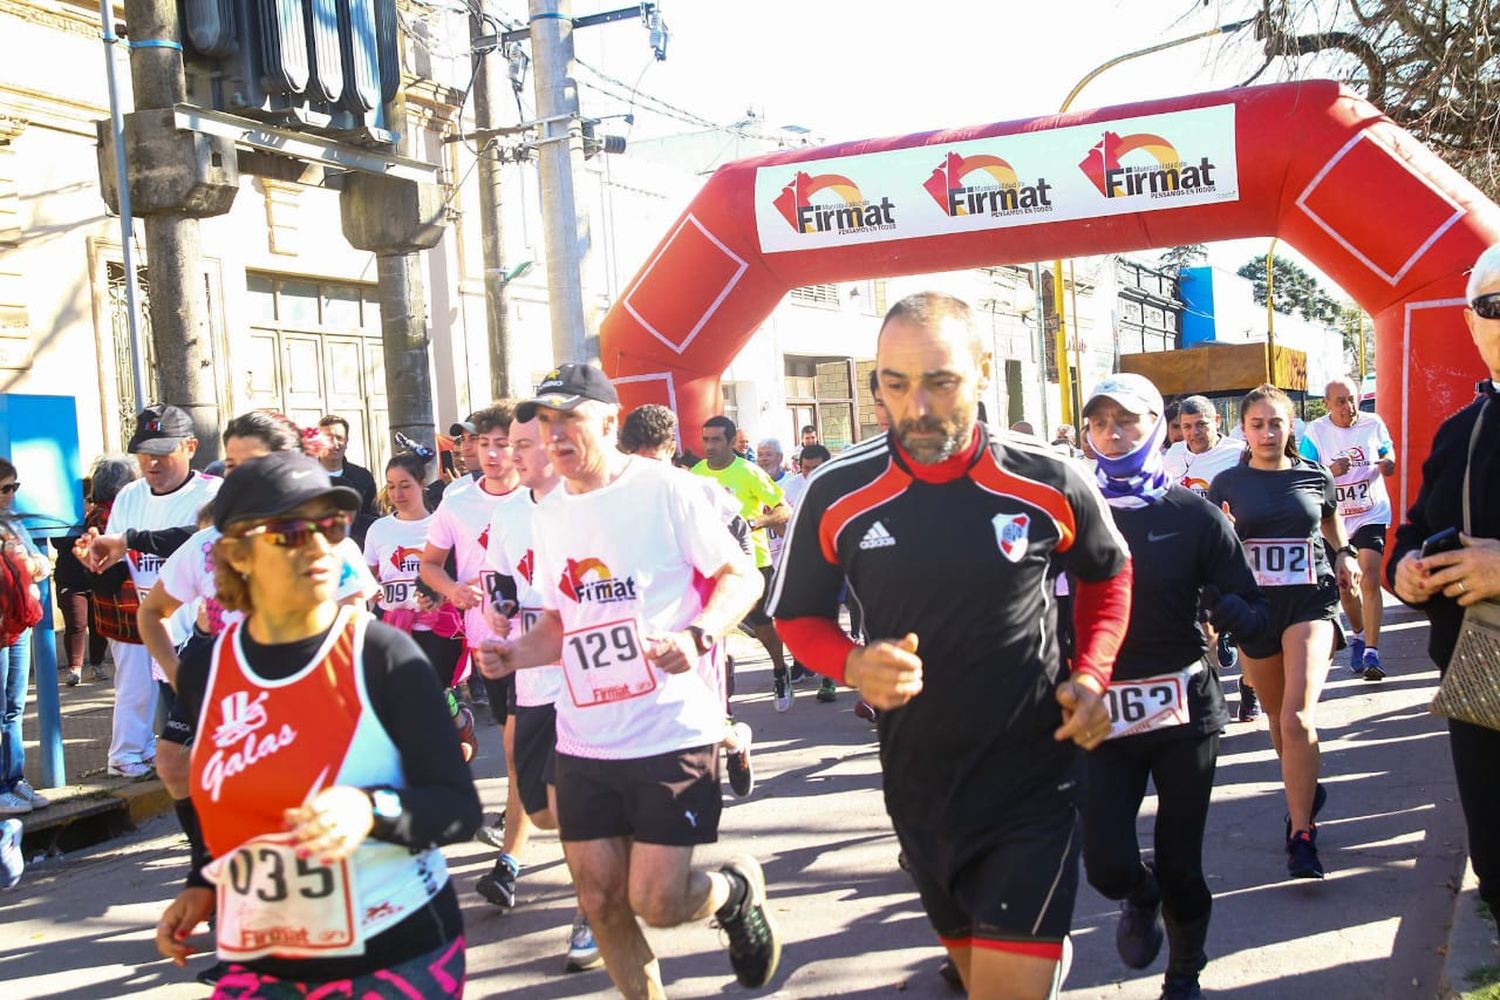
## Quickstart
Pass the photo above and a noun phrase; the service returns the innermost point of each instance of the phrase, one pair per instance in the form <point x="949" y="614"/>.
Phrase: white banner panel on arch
<point x="1142" y="164"/>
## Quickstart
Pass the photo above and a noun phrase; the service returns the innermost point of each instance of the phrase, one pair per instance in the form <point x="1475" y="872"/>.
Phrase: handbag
<point x="1470" y="689"/>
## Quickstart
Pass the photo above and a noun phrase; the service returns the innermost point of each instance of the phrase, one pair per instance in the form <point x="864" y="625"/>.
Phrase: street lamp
<point x="1064" y="378"/>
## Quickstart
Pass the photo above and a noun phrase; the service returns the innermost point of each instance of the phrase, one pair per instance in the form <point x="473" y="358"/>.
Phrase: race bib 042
<point x="1354" y="498"/>
<point x="1146" y="705"/>
<point x="606" y="663"/>
<point x="270" y="902"/>
<point x="1281" y="562"/>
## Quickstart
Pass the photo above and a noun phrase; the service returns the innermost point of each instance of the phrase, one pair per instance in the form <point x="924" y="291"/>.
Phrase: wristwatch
<point x="702" y="641"/>
<point x="1349" y="550"/>
<point x="385" y="803"/>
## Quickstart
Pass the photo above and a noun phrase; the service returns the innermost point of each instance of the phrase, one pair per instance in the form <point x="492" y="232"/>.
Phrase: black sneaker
<point x="949" y="971"/>
<point x="1320" y="798"/>
<point x="211" y="975"/>
<point x="1181" y="988"/>
<point x="754" y="947"/>
<point x="1302" y="855"/>
<point x="1139" y="935"/>
<point x="737" y="763"/>
<point x="499" y="886"/>
<point x="1228" y="654"/>
<point x="799" y="673"/>
<point x="1249" y="703"/>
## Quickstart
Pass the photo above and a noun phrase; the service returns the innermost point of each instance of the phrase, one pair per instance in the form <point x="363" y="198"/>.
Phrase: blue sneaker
<point x="1357" y="655"/>
<point x="1373" y="671"/>
<point x="1228" y="654"/>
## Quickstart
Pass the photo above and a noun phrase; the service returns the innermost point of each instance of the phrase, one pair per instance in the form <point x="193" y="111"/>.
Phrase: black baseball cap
<point x="273" y="484"/>
<point x="460" y="427"/>
<point x="159" y="430"/>
<point x="565" y="387"/>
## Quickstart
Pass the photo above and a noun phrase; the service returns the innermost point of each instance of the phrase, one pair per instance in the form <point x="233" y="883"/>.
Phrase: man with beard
<point x="949" y="538"/>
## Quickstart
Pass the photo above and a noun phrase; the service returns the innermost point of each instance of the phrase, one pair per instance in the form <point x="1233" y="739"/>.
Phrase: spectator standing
<point x="22" y="566"/>
<point x="334" y="459"/>
<point x="75" y="596"/>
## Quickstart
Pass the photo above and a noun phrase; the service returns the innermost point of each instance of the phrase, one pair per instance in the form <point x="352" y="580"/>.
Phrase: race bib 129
<point x="606" y="663"/>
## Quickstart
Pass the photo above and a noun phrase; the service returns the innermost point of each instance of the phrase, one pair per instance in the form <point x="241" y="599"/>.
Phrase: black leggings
<point x="1183" y="771"/>
<point x="442" y="653"/>
<point x="1475" y="750"/>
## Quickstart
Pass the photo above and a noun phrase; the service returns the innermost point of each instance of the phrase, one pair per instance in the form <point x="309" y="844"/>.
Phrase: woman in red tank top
<point x="325" y="774"/>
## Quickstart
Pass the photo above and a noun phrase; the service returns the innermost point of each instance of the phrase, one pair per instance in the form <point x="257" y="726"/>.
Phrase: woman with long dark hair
<point x="1284" y="508"/>
<point x="327" y="775"/>
<point x="1166" y="701"/>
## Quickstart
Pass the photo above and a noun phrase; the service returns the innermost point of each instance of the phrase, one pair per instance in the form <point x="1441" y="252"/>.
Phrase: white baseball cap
<point x="1133" y="392"/>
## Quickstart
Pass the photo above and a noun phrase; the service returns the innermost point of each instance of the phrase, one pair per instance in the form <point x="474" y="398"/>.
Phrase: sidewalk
<point x="92" y="806"/>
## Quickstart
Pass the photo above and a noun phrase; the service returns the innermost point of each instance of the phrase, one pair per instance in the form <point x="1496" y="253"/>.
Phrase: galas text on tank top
<point x="238" y="740"/>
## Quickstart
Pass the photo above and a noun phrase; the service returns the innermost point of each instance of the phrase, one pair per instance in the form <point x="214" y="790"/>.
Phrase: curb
<point x="90" y="813"/>
<point x="1472" y="941"/>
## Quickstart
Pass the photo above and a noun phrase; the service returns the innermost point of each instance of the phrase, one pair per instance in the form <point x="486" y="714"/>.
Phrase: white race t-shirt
<point x="512" y="553"/>
<point x="188" y="576"/>
<point x="462" y="524"/>
<point x="394" y="547"/>
<point x="619" y="565"/>
<point x="793" y="485"/>
<point x="1196" y="471"/>
<point x="1366" y="443"/>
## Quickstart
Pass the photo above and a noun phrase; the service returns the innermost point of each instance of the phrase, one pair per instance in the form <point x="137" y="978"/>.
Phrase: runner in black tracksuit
<point x="1165" y="695"/>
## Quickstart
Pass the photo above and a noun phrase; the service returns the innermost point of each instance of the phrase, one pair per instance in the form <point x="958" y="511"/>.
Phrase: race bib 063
<point x="1149" y="704"/>
<point x="606" y="663"/>
<point x="270" y="902"/>
<point x="1281" y="562"/>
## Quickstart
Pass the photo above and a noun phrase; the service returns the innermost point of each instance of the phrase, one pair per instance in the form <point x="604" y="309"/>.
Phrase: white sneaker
<point x="783" y="693"/>
<point x="135" y="770"/>
<point x="12" y="861"/>
<point x="37" y="800"/>
<point x="12" y="804"/>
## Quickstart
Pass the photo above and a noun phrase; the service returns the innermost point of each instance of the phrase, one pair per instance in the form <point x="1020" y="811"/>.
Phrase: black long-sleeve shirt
<point x="440" y="804"/>
<point x="1439" y="505"/>
<point x="1180" y="545"/>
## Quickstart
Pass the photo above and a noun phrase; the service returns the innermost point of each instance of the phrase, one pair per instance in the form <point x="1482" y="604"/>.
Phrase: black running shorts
<point x="179" y="728"/>
<point x="1289" y="606"/>
<point x="757" y="616"/>
<point x="671" y="799"/>
<point x="536" y="748"/>
<point x="1018" y="890"/>
<point x="1369" y="536"/>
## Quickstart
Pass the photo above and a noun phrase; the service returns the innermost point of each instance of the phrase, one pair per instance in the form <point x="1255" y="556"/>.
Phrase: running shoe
<point x="741" y="771"/>
<point x="38" y="801"/>
<point x="1140" y="933"/>
<point x="782" y="686"/>
<point x="468" y="741"/>
<point x="747" y="628"/>
<point x="493" y="834"/>
<point x="499" y="886"/>
<point x="583" y="950"/>
<point x="73" y="676"/>
<point x="211" y="975"/>
<point x="98" y="673"/>
<point x="1181" y="988"/>
<point x="12" y="804"/>
<point x="1302" y="855"/>
<point x="12" y="861"/>
<point x="1249" y="703"/>
<point x="864" y="710"/>
<point x="1320" y="798"/>
<point x="799" y="673"/>
<point x="1373" y="670"/>
<point x="754" y="946"/>
<point x="1229" y="655"/>
<point x="949" y="971"/>
<point x="134" y="770"/>
<point x="828" y="690"/>
<point x="1356" y="654"/>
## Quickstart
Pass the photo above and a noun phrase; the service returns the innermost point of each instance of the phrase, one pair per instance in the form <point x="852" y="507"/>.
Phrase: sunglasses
<point x="9" y="488"/>
<point x="295" y="532"/>
<point x="1487" y="306"/>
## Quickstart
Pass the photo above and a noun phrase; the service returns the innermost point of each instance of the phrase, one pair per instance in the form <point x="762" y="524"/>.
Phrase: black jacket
<point x="1439" y="505"/>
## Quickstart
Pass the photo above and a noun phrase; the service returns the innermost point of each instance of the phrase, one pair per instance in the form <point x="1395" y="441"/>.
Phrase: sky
<point x="846" y="69"/>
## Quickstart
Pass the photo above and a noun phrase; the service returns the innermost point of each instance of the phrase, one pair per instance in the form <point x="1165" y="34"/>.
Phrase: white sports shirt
<point x="1362" y="495"/>
<point x="1197" y="471"/>
<point x="622" y="564"/>
<point x="512" y="553"/>
<point x="394" y="547"/>
<point x="462" y="523"/>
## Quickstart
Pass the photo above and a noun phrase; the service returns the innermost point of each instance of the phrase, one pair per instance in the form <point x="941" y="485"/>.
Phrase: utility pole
<point x="560" y="150"/>
<point x="487" y="95"/>
<point x="179" y="307"/>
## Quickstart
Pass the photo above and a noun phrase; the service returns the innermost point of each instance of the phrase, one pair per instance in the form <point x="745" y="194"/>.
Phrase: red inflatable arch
<point x="1310" y="163"/>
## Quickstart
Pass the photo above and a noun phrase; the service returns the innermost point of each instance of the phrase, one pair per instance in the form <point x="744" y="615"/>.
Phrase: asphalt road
<point x="1391" y="838"/>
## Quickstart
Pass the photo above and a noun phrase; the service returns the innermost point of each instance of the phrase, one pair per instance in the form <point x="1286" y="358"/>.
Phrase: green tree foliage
<point x="1174" y="259"/>
<point x="1296" y="291"/>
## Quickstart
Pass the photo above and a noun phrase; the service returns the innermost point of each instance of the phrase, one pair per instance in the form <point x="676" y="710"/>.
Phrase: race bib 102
<point x="606" y="663"/>
<point x="1281" y="562"/>
<point x="271" y="902"/>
